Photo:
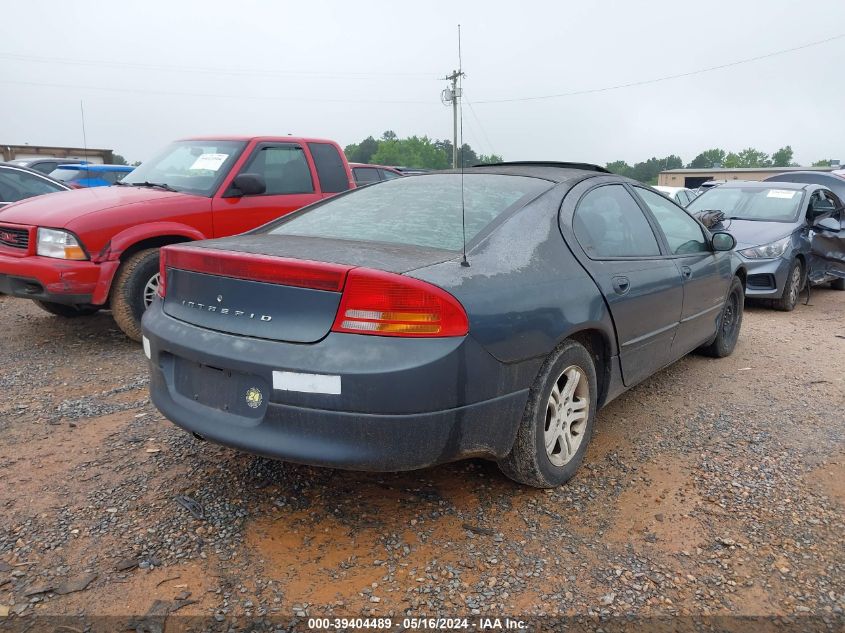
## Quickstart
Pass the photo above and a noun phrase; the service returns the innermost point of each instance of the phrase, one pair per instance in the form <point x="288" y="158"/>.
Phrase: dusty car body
<point x="355" y="334"/>
<point x="789" y="234"/>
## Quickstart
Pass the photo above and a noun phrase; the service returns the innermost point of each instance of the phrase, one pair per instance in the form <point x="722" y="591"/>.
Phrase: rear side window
<point x="386" y="174"/>
<point x="330" y="168"/>
<point x="682" y="232"/>
<point x="609" y="223"/>
<point x="284" y="168"/>
<point x="365" y="175"/>
<point x="420" y="211"/>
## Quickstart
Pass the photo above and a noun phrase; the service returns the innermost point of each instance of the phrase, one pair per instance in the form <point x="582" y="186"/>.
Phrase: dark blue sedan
<point x="354" y="333"/>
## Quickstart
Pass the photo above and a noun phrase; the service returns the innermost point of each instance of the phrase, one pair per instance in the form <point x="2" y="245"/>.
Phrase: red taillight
<point x="301" y="273"/>
<point x="385" y="304"/>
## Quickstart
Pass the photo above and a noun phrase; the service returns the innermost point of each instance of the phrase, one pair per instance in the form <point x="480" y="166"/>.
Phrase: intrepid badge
<point x="254" y="398"/>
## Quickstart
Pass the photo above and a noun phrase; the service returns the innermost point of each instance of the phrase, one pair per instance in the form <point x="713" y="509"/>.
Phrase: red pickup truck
<point x="76" y="252"/>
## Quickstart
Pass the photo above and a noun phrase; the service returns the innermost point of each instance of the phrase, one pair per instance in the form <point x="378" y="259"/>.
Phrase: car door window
<point x="17" y="185"/>
<point x="365" y="175"/>
<point x="609" y="223"/>
<point x="386" y="174"/>
<point x="821" y="206"/>
<point x="838" y="212"/>
<point x="330" y="167"/>
<point x="283" y="167"/>
<point x="683" y="234"/>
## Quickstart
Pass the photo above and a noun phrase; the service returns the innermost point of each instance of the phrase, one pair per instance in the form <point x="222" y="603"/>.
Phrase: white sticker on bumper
<point x="306" y="383"/>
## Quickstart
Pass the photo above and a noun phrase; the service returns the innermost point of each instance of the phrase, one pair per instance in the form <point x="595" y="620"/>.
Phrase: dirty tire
<point x="67" y="311"/>
<point x="792" y="289"/>
<point x="529" y="462"/>
<point x="838" y="284"/>
<point x="127" y="294"/>
<point x="730" y="323"/>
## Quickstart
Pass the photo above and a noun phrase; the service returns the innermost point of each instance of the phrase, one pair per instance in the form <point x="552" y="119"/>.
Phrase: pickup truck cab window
<point x="330" y="167"/>
<point x="283" y="167"/>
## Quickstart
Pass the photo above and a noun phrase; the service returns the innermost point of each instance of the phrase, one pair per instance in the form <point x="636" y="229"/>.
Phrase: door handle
<point x="621" y="285"/>
<point x="686" y="271"/>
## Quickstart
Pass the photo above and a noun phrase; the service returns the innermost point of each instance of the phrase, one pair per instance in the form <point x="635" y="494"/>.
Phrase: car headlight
<point x="767" y="251"/>
<point x="59" y="244"/>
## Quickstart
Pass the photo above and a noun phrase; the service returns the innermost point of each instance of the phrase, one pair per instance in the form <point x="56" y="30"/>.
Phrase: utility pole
<point x="453" y="95"/>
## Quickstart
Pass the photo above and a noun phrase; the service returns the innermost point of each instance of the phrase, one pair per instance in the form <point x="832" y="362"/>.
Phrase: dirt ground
<point x="715" y="488"/>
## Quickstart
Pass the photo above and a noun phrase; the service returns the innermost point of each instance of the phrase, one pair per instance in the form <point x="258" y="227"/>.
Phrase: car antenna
<point x="457" y="96"/>
<point x="84" y="137"/>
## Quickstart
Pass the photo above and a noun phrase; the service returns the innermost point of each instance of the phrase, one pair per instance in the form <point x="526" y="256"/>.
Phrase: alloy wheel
<point x="567" y="411"/>
<point x="151" y="289"/>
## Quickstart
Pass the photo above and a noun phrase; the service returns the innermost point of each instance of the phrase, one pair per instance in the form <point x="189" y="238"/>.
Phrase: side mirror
<point x="723" y="241"/>
<point x="827" y="224"/>
<point x="247" y="185"/>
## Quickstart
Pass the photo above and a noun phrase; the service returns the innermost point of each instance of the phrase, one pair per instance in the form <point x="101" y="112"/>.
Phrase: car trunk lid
<point x="272" y="287"/>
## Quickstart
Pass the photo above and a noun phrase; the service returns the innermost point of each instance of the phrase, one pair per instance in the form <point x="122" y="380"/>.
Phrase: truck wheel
<point x="134" y="290"/>
<point x="558" y="420"/>
<point x="730" y="323"/>
<point x="792" y="290"/>
<point x="64" y="310"/>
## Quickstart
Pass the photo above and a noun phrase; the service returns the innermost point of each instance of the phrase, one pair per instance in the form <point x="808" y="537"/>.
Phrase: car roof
<point x="547" y="170"/>
<point x="765" y="184"/>
<point x="273" y="139"/>
<point x="833" y="175"/>
<point x="96" y="167"/>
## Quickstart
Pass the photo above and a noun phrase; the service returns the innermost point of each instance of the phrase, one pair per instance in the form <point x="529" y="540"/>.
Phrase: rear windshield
<point x="420" y="211"/>
<point x="750" y="203"/>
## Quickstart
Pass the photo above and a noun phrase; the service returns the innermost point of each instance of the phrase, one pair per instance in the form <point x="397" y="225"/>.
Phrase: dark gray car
<point x="355" y="334"/>
<point x="787" y="233"/>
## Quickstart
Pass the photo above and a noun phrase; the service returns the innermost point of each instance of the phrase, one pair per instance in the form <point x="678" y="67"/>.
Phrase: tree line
<point x="750" y="157"/>
<point x="415" y="151"/>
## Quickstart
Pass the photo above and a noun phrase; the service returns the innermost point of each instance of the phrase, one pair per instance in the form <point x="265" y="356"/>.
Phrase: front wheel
<point x="730" y="322"/>
<point x="558" y="420"/>
<point x="794" y="283"/>
<point x="133" y="291"/>
<point x="67" y="311"/>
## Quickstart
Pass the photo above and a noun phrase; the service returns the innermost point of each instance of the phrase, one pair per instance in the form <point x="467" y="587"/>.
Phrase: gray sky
<point x="345" y="70"/>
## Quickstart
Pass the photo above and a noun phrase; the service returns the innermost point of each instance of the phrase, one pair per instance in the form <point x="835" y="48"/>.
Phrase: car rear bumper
<point x="766" y="278"/>
<point x="397" y="404"/>
<point x="48" y="279"/>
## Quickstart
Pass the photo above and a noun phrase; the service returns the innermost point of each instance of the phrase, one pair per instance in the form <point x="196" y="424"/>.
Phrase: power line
<point x="667" y="77"/>
<point x="481" y="127"/>
<point x="239" y="96"/>
<point x="217" y="71"/>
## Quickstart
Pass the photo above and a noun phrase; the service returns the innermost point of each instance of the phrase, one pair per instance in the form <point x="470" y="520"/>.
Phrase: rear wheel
<point x="133" y="291"/>
<point x="838" y="284"/>
<point x="730" y="323"/>
<point x="64" y="310"/>
<point x="794" y="283"/>
<point x="558" y="420"/>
